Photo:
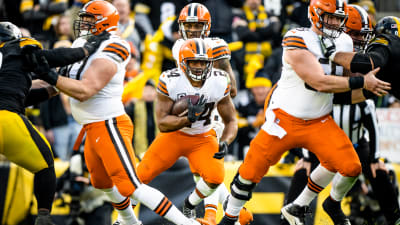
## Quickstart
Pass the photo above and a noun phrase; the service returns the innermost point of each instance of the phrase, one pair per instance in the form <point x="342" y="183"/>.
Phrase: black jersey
<point x="388" y="47"/>
<point x="15" y="80"/>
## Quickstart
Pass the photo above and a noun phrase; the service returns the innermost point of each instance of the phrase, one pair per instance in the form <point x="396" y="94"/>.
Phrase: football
<point x="180" y="106"/>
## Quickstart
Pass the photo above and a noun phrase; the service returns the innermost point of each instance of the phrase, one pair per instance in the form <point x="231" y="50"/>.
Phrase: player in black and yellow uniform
<point x="20" y="142"/>
<point x="383" y="51"/>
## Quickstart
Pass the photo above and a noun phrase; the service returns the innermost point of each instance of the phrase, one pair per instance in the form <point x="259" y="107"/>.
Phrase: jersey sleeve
<point x="220" y="49"/>
<point x="116" y="50"/>
<point x="293" y="39"/>
<point x="162" y="85"/>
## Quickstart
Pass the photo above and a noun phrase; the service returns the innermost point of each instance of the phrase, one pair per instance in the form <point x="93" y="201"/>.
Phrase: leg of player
<point x="340" y="186"/>
<point x="44" y="190"/>
<point x="122" y="205"/>
<point x="156" y="201"/>
<point x="295" y="212"/>
<point x="203" y="189"/>
<point x="241" y="192"/>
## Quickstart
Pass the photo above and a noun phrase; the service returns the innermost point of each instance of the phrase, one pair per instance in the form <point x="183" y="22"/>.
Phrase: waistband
<point x="282" y="114"/>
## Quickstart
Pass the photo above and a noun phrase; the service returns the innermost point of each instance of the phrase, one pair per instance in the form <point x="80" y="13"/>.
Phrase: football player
<point x="95" y="85"/>
<point x="18" y="137"/>
<point x="382" y="52"/>
<point x="355" y="120"/>
<point x="195" y="22"/>
<point x="192" y="136"/>
<point x="297" y="111"/>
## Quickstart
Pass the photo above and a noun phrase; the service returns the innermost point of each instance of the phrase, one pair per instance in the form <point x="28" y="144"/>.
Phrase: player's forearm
<point x="172" y="123"/>
<point x="225" y="65"/>
<point x="331" y="84"/>
<point x="74" y="88"/>
<point x="344" y="59"/>
<point x="230" y="131"/>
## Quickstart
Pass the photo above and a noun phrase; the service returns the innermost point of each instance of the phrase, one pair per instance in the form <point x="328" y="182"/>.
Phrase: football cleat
<point x="120" y="222"/>
<point x="227" y="221"/>
<point x="295" y="214"/>
<point x="189" y="213"/>
<point x="43" y="218"/>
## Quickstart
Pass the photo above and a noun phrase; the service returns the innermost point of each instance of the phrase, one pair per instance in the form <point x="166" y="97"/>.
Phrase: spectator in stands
<point x="254" y="29"/>
<point x="128" y="28"/>
<point x="63" y="30"/>
<point x="38" y="17"/>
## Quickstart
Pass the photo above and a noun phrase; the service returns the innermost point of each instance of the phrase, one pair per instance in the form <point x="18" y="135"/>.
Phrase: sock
<point x="122" y="205"/>
<point x="201" y="191"/>
<point x="318" y="180"/>
<point x="223" y="193"/>
<point x="234" y="206"/>
<point x="44" y="187"/>
<point x="341" y="185"/>
<point x="299" y="181"/>
<point x="334" y="210"/>
<point x="156" y="201"/>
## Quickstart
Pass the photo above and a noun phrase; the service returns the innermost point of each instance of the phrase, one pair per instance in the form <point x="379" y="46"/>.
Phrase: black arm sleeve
<point x="379" y="55"/>
<point x="62" y="56"/>
<point x="370" y="122"/>
<point x="35" y="96"/>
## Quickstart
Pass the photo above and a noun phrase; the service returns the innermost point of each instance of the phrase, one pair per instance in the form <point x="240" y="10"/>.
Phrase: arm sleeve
<point x="370" y="122"/>
<point x="62" y="56"/>
<point x="379" y="55"/>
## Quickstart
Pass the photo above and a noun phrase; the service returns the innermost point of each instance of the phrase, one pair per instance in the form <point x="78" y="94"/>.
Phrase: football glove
<point x="94" y="42"/>
<point x="222" y="150"/>
<point x="195" y="110"/>
<point x="43" y="70"/>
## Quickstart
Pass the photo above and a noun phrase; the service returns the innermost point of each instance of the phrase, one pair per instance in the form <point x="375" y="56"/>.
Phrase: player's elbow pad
<point x="361" y="63"/>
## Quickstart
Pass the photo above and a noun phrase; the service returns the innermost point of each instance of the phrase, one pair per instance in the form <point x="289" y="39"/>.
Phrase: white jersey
<point x="174" y="84"/>
<point x="219" y="48"/>
<point x="292" y="94"/>
<point x="107" y="103"/>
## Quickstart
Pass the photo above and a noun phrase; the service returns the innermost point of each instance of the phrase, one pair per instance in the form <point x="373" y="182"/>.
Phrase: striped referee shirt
<point x="359" y="121"/>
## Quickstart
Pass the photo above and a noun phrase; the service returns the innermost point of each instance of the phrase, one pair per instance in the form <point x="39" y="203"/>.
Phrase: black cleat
<point x="295" y="214"/>
<point x="227" y="221"/>
<point x="43" y="218"/>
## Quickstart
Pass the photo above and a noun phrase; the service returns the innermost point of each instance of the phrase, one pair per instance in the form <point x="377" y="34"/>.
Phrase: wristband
<point x="356" y="82"/>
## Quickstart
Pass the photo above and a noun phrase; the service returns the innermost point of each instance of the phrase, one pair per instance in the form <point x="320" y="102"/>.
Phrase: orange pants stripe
<point x="321" y="136"/>
<point x="109" y="154"/>
<point x="198" y="149"/>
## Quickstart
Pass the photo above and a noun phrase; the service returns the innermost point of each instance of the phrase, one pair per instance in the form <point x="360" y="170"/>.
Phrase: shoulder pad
<point x="117" y="50"/>
<point x="294" y="39"/>
<point x="29" y="43"/>
<point x="380" y="40"/>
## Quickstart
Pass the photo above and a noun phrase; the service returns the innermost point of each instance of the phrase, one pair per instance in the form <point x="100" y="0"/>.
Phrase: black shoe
<point x="334" y="211"/>
<point x="283" y="221"/>
<point x="227" y="221"/>
<point x="188" y="209"/>
<point x="295" y="214"/>
<point x="43" y="218"/>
